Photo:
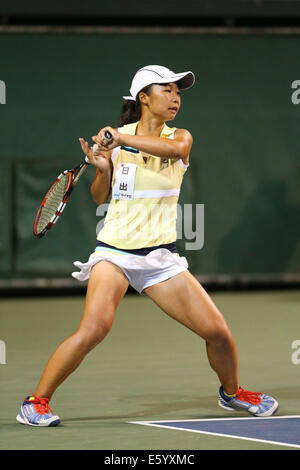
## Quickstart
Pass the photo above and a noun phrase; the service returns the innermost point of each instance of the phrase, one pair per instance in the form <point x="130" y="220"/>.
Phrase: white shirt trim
<point x="183" y="165"/>
<point x="149" y="193"/>
<point x="115" y="153"/>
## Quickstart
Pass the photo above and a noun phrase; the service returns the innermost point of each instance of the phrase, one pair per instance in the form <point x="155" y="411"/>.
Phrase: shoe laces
<point x="41" y="405"/>
<point x="251" y="397"/>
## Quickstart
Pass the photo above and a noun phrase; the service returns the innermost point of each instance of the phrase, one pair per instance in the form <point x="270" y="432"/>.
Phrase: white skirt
<point x="141" y="271"/>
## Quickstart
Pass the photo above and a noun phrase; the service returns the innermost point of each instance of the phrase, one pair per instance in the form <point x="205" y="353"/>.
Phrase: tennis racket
<point x="58" y="194"/>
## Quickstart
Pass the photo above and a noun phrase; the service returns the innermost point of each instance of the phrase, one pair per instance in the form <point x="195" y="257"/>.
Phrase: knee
<point x="219" y="335"/>
<point x="92" y="335"/>
<point x="100" y="330"/>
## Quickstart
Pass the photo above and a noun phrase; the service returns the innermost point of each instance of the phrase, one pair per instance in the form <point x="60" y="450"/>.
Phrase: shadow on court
<point x="157" y="408"/>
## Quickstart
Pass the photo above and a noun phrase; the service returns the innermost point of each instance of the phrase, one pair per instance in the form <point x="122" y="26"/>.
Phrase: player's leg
<point x="183" y="298"/>
<point x="107" y="286"/>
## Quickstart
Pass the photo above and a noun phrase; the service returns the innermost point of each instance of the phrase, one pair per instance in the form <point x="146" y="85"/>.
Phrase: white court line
<point x="158" y="425"/>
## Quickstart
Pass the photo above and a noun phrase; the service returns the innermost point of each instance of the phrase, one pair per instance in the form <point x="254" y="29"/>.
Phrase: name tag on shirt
<point x="123" y="187"/>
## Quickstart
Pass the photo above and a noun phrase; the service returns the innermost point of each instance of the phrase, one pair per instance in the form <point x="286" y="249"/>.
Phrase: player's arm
<point x="179" y="147"/>
<point x="101" y="186"/>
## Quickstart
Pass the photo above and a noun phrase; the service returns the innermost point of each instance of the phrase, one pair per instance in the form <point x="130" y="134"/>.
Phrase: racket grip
<point x="107" y="136"/>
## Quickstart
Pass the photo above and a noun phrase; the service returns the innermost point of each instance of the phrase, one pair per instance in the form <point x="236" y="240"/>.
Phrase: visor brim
<point x="184" y="80"/>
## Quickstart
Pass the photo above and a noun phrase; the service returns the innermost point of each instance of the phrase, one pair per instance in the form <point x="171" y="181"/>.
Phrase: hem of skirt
<point x="85" y="268"/>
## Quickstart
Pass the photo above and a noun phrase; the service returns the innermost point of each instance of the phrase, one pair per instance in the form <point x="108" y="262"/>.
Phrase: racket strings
<point x="53" y="201"/>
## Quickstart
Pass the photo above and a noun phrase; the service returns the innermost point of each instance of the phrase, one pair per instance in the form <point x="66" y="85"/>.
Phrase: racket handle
<point x="107" y="136"/>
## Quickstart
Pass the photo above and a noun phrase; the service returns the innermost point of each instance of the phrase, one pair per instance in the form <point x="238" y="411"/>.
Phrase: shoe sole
<point x="54" y="422"/>
<point x="225" y="407"/>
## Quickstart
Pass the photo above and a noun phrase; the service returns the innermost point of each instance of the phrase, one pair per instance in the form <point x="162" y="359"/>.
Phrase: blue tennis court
<point x="281" y="430"/>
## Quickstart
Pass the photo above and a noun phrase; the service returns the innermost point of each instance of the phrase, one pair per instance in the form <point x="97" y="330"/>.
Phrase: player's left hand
<point x="102" y="142"/>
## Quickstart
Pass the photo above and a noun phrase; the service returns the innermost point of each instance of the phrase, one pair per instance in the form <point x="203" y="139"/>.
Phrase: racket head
<point x="53" y="203"/>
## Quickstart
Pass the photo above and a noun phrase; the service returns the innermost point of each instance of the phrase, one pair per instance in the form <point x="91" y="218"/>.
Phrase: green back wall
<point x="244" y="165"/>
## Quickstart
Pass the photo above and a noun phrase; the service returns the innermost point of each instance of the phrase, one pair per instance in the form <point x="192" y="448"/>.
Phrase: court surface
<point x="152" y="370"/>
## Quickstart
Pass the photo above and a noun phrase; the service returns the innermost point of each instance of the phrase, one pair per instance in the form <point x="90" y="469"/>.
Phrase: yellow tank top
<point x="149" y="217"/>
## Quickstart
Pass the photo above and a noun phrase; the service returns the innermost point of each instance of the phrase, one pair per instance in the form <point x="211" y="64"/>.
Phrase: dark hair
<point x="131" y="110"/>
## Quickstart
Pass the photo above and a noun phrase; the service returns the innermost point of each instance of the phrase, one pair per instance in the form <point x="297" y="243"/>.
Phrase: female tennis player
<point x="143" y="167"/>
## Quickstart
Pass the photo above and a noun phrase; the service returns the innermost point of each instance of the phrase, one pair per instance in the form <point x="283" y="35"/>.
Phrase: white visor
<point x="158" y="74"/>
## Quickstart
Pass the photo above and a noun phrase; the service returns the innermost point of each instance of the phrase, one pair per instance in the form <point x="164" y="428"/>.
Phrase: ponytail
<point x="132" y="110"/>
